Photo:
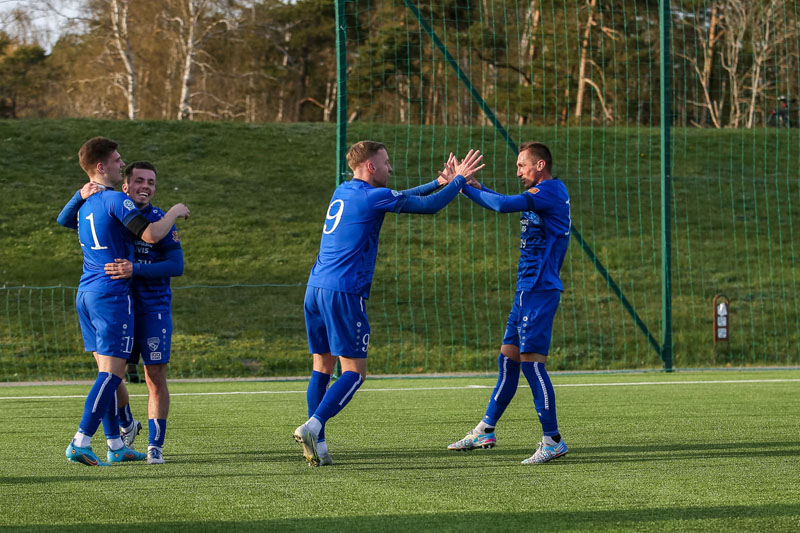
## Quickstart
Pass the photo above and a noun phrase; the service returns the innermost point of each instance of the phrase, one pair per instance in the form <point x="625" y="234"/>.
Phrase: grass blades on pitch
<point x="700" y="451"/>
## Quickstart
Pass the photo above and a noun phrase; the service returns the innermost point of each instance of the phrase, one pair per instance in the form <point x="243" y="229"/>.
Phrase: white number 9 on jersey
<point x="336" y="217"/>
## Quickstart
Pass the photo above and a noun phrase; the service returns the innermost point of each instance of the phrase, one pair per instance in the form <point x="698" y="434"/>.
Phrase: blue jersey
<point x="153" y="294"/>
<point x="544" y="236"/>
<point x="102" y="221"/>
<point x="545" y="225"/>
<point x="349" y="245"/>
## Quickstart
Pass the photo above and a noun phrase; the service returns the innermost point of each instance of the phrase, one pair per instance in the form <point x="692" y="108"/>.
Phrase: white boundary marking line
<point x="465" y="387"/>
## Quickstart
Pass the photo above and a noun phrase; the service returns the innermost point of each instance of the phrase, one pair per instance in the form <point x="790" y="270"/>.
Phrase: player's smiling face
<point x="529" y="170"/>
<point x="141" y="186"/>
<point x="380" y="169"/>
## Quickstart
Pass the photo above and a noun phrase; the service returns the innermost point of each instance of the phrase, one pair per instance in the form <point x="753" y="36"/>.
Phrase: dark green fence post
<point x="341" y="110"/>
<point x="666" y="187"/>
<point x="341" y="94"/>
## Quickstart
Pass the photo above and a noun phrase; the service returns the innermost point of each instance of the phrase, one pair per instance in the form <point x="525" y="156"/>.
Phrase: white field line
<point x="465" y="387"/>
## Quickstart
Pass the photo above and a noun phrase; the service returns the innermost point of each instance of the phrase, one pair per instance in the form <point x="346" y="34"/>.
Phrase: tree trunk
<point x="713" y="36"/>
<point x="527" y="43"/>
<point x="287" y="36"/>
<point x="736" y="15"/>
<point x="184" y="103"/>
<point x="488" y="70"/>
<point x="330" y="101"/>
<point x="122" y="42"/>
<point x="591" y="4"/>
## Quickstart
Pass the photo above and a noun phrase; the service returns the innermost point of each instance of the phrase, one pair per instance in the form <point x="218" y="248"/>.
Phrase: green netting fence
<point x="585" y="77"/>
<point x="589" y="79"/>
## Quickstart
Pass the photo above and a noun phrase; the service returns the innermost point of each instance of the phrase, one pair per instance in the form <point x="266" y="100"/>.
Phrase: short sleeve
<point x="122" y="207"/>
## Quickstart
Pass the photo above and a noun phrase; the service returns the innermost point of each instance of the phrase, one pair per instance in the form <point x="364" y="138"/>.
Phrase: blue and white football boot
<point x="125" y="454"/>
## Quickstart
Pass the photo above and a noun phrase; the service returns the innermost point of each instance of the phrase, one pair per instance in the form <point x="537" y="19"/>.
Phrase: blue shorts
<point x="152" y="338"/>
<point x="106" y="323"/>
<point x="336" y="323"/>
<point x="530" y="322"/>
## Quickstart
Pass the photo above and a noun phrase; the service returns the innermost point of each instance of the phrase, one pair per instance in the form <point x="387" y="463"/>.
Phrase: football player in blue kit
<point x="154" y="265"/>
<point x="339" y="283"/>
<point x="545" y="223"/>
<point x="107" y="222"/>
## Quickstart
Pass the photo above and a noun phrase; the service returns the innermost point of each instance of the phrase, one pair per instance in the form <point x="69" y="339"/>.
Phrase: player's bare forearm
<point x="158" y="230"/>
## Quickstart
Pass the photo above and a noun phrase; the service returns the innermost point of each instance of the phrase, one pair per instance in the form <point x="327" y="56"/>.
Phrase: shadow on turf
<point x="667" y="518"/>
<point x="587" y="454"/>
<point x="698" y="450"/>
<point x="405" y="458"/>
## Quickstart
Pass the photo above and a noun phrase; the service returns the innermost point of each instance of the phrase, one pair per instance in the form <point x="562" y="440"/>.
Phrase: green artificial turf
<point x="688" y="451"/>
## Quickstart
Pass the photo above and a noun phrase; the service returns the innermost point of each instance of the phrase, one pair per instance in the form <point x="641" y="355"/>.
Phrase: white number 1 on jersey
<point x="97" y="245"/>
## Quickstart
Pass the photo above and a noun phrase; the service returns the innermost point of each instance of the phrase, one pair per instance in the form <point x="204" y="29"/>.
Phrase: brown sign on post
<point x="722" y="319"/>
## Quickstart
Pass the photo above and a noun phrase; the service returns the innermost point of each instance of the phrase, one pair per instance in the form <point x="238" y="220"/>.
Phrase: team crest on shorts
<point x="153" y="343"/>
<point x="175" y="237"/>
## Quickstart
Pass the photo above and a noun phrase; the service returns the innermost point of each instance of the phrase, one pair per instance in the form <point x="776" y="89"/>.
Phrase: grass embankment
<point x="443" y="284"/>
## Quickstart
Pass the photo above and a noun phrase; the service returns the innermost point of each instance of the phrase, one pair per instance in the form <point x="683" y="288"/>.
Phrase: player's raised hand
<point x="178" y="211"/>
<point x="89" y="189"/>
<point x="119" y="269"/>
<point x="447" y="174"/>
<point x="468" y="166"/>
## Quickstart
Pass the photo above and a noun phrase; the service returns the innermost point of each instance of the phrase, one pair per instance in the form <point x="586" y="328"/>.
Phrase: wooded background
<point x="536" y="62"/>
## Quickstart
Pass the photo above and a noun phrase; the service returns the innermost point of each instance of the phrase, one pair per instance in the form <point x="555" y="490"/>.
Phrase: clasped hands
<point x="467" y="167"/>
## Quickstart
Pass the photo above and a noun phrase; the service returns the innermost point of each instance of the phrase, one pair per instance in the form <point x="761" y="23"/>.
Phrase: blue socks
<point x="156" y="429"/>
<point x="316" y="391"/>
<point x="504" y="391"/>
<point x="339" y="394"/>
<point x="125" y="416"/>
<point x="111" y="420"/>
<point x="544" y="397"/>
<point x="103" y="393"/>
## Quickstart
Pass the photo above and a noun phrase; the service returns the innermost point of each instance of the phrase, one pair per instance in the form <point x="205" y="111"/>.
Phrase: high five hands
<point x="467" y="167"/>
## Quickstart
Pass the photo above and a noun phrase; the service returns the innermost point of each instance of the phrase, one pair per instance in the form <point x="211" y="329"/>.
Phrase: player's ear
<point x="125" y="187"/>
<point x="370" y="166"/>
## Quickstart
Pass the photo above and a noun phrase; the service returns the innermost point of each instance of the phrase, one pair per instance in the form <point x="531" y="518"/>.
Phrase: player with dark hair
<point x="339" y="283"/>
<point x="544" y="238"/>
<point x="106" y="223"/>
<point x="154" y="265"/>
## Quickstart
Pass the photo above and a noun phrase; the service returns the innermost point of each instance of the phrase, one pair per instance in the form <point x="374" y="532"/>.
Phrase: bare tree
<point x="707" y="35"/>
<point x="736" y="16"/>
<point x="195" y="21"/>
<point x="586" y="61"/>
<point x="287" y="37"/>
<point x="527" y="45"/>
<point x="772" y="31"/>
<point x="527" y="41"/>
<point x="122" y="42"/>
<point x="583" y="62"/>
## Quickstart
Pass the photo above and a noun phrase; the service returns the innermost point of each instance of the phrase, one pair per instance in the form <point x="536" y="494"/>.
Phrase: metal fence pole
<point x="666" y="186"/>
<point x="341" y="94"/>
